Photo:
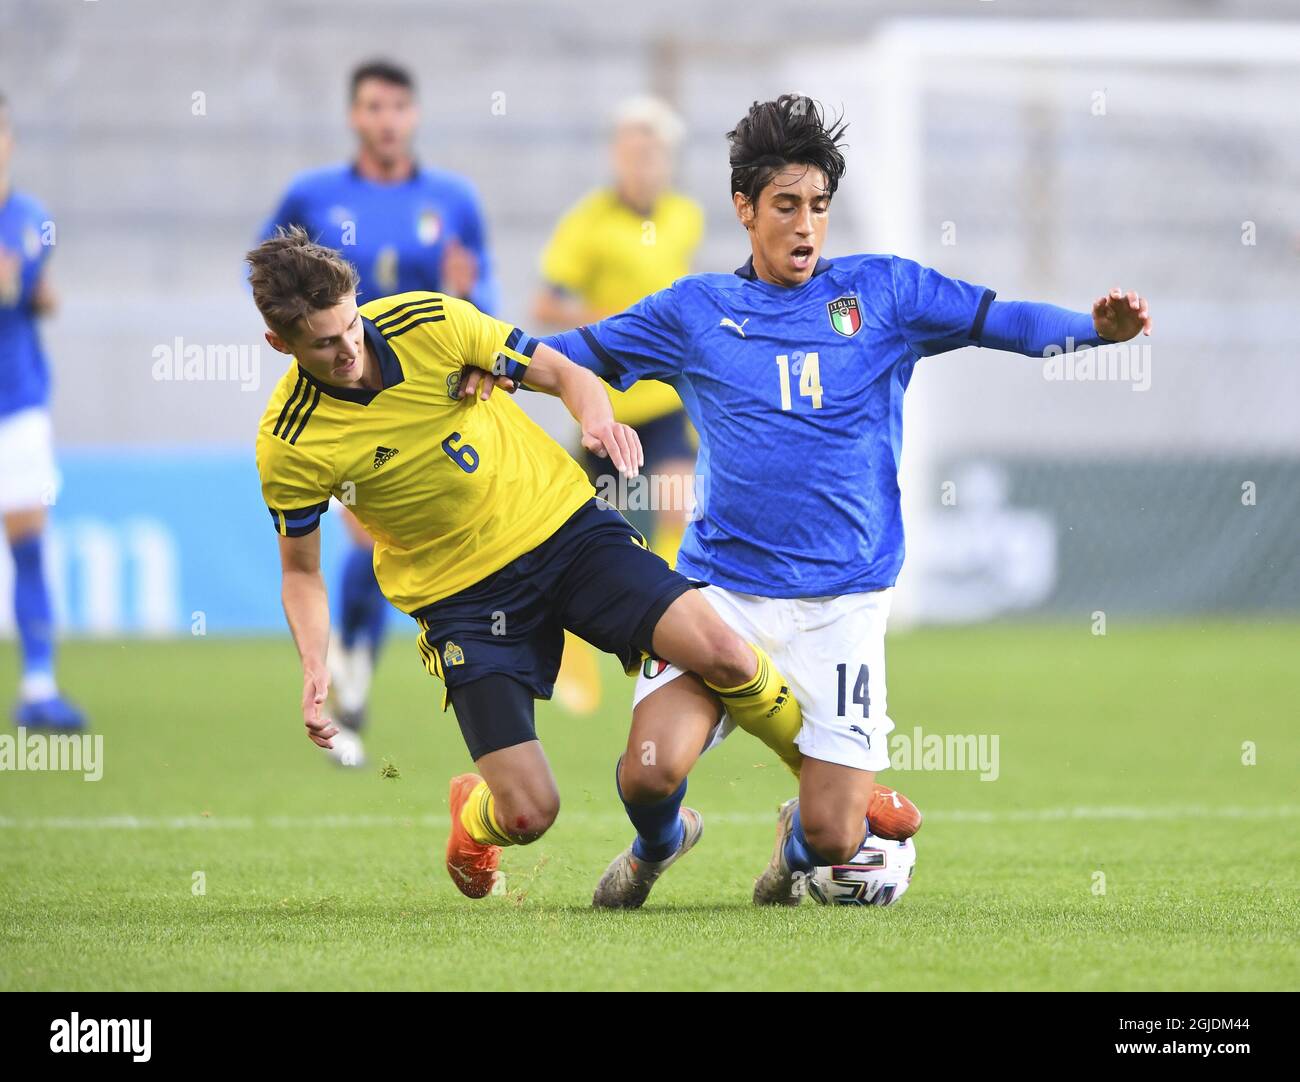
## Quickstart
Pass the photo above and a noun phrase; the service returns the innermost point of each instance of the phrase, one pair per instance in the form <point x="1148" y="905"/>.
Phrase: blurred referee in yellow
<point x="618" y="244"/>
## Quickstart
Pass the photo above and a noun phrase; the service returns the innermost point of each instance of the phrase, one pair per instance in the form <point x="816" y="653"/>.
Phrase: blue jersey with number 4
<point x="797" y="394"/>
<point x="394" y="234"/>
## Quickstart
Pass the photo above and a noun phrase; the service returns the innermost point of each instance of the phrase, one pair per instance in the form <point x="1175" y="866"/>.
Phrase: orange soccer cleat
<point x="891" y="816"/>
<point x="471" y="865"/>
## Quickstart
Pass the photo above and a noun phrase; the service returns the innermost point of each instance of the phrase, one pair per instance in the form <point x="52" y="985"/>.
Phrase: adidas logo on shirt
<point x="383" y="454"/>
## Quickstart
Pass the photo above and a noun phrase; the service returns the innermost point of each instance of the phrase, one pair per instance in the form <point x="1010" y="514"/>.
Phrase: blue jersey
<point x="797" y="394"/>
<point x="395" y="234"/>
<point x="24" y="375"/>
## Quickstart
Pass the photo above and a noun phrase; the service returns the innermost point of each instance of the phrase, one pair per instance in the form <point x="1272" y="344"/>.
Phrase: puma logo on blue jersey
<point x="739" y="328"/>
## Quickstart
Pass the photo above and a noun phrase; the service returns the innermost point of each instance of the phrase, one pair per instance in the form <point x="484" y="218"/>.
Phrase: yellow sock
<point x="766" y="708"/>
<point x="478" y="817"/>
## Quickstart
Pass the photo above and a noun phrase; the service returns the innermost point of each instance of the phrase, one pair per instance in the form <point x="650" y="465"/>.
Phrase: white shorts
<point x="28" y="475"/>
<point x="832" y="651"/>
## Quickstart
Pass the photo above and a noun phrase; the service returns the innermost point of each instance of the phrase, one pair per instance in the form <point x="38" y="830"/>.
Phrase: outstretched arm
<point x="936" y="314"/>
<point x="588" y="402"/>
<point x="1033" y="329"/>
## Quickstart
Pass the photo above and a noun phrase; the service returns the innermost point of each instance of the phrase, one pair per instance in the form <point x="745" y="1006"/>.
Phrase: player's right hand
<point x="617" y="442"/>
<point x="315" y="689"/>
<point x="459" y="273"/>
<point x="11" y="277"/>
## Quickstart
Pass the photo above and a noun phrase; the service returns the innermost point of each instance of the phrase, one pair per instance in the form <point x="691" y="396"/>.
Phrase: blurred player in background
<point x="28" y="477"/>
<point x="616" y="245"/>
<point x="404" y="226"/>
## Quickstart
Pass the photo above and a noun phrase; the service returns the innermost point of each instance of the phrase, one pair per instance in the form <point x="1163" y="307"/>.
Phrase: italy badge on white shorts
<point x="831" y="650"/>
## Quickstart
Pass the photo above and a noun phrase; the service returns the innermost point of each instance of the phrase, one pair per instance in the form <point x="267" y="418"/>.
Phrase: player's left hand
<point x="1118" y="316"/>
<point x="459" y="269"/>
<point x="617" y="442"/>
<point x="472" y="379"/>
<point x="315" y="690"/>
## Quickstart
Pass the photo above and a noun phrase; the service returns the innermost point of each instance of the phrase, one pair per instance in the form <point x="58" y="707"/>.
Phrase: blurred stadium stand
<point x="1112" y="499"/>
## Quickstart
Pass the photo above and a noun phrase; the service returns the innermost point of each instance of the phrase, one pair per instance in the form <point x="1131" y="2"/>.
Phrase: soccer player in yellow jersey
<point x="616" y="245"/>
<point x="485" y="531"/>
<point x="405" y="225"/>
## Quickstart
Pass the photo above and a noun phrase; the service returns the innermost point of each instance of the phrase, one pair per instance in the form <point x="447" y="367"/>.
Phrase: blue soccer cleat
<point x="52" y="713"/>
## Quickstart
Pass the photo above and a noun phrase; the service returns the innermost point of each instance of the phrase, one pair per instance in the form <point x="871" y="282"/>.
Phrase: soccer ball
<point x="878" y="875"/>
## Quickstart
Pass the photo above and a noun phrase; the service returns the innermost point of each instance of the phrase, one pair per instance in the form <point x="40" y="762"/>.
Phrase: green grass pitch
<point x="1119" y="755"/>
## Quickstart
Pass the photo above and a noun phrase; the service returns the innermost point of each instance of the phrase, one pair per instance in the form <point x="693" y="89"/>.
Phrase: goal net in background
<point x="1050" y="161"/>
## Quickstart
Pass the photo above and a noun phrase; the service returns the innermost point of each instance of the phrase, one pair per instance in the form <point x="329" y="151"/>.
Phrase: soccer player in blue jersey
<point x="28" y="476"/>
<point x="793" y="370"/>
<point x="405" y="226"/>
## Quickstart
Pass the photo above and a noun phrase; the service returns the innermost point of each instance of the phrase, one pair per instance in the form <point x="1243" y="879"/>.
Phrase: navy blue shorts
<point x="594" y="576"/>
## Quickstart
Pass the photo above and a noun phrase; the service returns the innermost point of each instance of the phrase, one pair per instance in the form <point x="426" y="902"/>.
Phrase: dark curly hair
<point x="788" y="131"/>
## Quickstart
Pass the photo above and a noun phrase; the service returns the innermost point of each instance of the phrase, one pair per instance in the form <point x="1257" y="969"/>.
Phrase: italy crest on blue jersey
<point x="844" y="315"/>
<point x="797" y="394"/>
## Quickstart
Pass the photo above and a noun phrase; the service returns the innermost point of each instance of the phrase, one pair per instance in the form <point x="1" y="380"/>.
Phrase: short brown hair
<point x="383" y="70"/>
<point x="291" y="276"/>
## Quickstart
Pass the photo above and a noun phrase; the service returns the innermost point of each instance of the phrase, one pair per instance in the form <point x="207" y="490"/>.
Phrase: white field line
<point x="1128" y="813"/>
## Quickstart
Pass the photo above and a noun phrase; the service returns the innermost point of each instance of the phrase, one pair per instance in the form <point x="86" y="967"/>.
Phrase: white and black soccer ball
<point x="878" y="875"/>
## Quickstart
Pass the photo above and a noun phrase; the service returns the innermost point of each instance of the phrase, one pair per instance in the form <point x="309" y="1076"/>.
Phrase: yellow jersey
<point x="610" y="256"/>
<point x="450" y="489"/>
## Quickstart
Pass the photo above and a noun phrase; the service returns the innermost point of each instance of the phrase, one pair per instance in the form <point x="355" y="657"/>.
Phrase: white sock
<point x="37" y="687"/>
<point x="350" y="671"/>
